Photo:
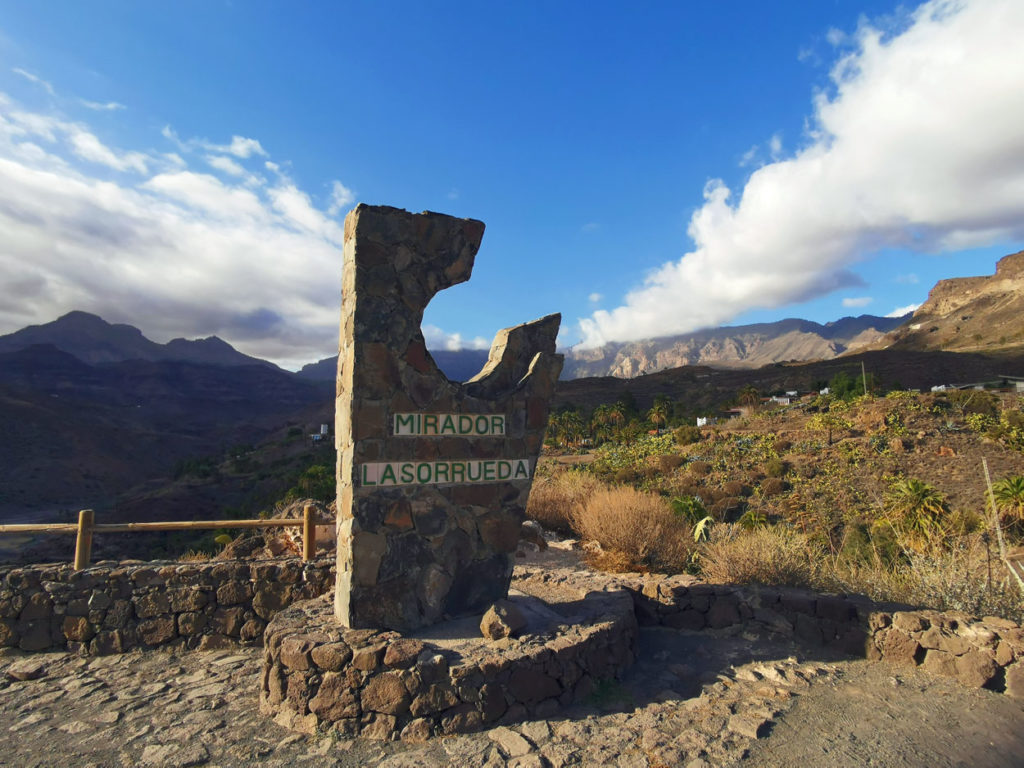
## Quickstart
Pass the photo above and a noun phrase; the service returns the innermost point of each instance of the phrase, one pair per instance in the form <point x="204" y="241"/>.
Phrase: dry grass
<point x="636" y="530"/>
<point x="194" y="556"/>
<point x="554" y="497"/>
<point x="772" y="555"/>
<point x="953" y="579"/>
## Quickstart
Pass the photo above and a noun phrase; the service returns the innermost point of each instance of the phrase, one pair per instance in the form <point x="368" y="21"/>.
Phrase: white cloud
<point x="242" y="147"/>
<point x="595" y="297"/>
<point x="341" y="197"/>
<point x="97" y="106"/>
<point x="858" y="301"/>
<point x="907" y="279"/>
<point x="748" y="157"/>
<point x="775" y="147"/>
<point x="34" y="79"/>
<point x="88" y="147"/>
<point x="453" y="342"/>
<point x="169" y="248"/>
<point x="886" y="166"/>
<point x="901" y="311"/>
<point x="225" y="164"/>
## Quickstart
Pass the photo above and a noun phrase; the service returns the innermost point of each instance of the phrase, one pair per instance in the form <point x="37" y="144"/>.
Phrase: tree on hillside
<point x="658" y="415"/>
<point x="916" y="509"/>
<point x="1009" y="493"/>
<point x="748" y="395"/>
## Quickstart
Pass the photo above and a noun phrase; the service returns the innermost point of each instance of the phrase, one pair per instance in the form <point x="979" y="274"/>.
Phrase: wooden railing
<point x="87" y="526"/>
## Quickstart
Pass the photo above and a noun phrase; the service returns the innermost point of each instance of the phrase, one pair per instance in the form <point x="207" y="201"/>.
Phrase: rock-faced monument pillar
<point x="433" y="475"/>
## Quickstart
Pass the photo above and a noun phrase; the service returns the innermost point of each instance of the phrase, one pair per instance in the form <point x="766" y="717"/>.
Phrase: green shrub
<point x="687" y="435"/>
<point x="775" y="467"/>
<point x="689" y="508"/>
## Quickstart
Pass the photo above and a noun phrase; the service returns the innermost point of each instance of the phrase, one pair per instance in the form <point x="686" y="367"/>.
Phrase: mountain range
<point x="93" y="340"/>
<point x="96" y="414"/>
<point x="970" y="314"/>
<point x="742" y="346"/>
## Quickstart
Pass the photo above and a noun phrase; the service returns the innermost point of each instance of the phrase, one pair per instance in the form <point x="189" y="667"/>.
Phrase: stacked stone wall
<point x="381" y="684"/>
<point x="114" y="607"/>
<point x="978" y="652"/>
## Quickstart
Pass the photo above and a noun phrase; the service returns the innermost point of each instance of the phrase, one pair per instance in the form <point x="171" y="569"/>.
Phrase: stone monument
<point x="433" y="475"/>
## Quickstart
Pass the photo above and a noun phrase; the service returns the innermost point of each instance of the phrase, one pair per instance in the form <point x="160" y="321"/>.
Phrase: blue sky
<point x="645" y="170"/>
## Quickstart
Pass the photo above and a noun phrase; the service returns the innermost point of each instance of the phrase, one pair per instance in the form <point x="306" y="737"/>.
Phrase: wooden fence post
<point x="308" y="533"/>
<point x="83" y="545"/>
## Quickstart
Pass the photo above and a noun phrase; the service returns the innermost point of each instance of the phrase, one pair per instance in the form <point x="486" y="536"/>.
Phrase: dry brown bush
<point x="735" y="488"/>
<point x="638" y="527"/>
<point x="772" y="555"/>
<point x="699" y="468"/>
<point x="669" y="461"/>
<point x="772" y="486"/>
<point x="553" y="498"/>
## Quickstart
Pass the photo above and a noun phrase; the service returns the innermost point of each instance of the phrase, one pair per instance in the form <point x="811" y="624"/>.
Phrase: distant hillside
<point x="970" y="314"/>
<point x="93" y="340"/>
<point x="704" y="389"/>
<point x="742" y="346"/>
<point x="460" y="365"/>
<point x="81" y="435"/>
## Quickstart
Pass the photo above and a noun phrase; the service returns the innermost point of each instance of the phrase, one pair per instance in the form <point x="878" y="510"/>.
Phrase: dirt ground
<point x="693" y="699"/>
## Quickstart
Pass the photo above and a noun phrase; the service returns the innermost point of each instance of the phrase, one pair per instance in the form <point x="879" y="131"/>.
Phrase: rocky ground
<point x="692" y="699"/>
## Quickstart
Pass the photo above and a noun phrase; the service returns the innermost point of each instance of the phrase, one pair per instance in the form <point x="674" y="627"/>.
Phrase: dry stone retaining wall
<point x="113" y="607"/>
<point x="987" y="652"/>
<point x="381" y="684"/>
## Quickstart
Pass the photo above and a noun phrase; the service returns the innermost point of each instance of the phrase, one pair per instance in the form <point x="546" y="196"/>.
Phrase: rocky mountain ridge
<point x="93" y="340"/>
<point x="970" y="314"/>
<point x="743" y="346"/>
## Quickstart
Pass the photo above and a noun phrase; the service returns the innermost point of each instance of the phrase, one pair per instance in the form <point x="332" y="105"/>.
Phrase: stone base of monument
<point x="446" y="678"/>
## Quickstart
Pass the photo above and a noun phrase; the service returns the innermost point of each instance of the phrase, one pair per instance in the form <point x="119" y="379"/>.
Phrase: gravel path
<point x="693" y="699"/>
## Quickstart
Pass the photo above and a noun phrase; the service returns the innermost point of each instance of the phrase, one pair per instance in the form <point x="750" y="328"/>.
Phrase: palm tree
<point x="658" y="414"/>
<point x="599" y="423"/>
<point x="749" y="395"/>
<point x="916" y="509"/>
<point x="1009" y="493"/>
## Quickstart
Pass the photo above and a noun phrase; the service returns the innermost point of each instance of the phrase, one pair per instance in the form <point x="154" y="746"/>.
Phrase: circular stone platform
<point x="446" y="678"/>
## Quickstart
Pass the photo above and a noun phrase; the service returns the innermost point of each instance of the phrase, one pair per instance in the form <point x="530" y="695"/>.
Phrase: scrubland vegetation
<point x="881" y="495"/>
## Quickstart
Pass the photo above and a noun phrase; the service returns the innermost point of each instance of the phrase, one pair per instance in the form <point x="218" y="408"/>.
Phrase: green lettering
<point x="441" y="472"/>
<point x="465" y="424"/>
<point x="424" y="477"/>
<point x="522" y="470"/>
<point x="388" y="474"/>
<point x="498" y="424"/>
<point x="489" y="471"/>
<point x="448" y="425"/>
<point x="429" y="424"/>
<point x="469" y="471"/>
<point x="481" y="425"/>
<point x="458" y="468"/>
<point x="406" y="420"/>
<point x="407" y="475"/>
<point x="504" y="470"/>
<point x="366" y="479"/>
